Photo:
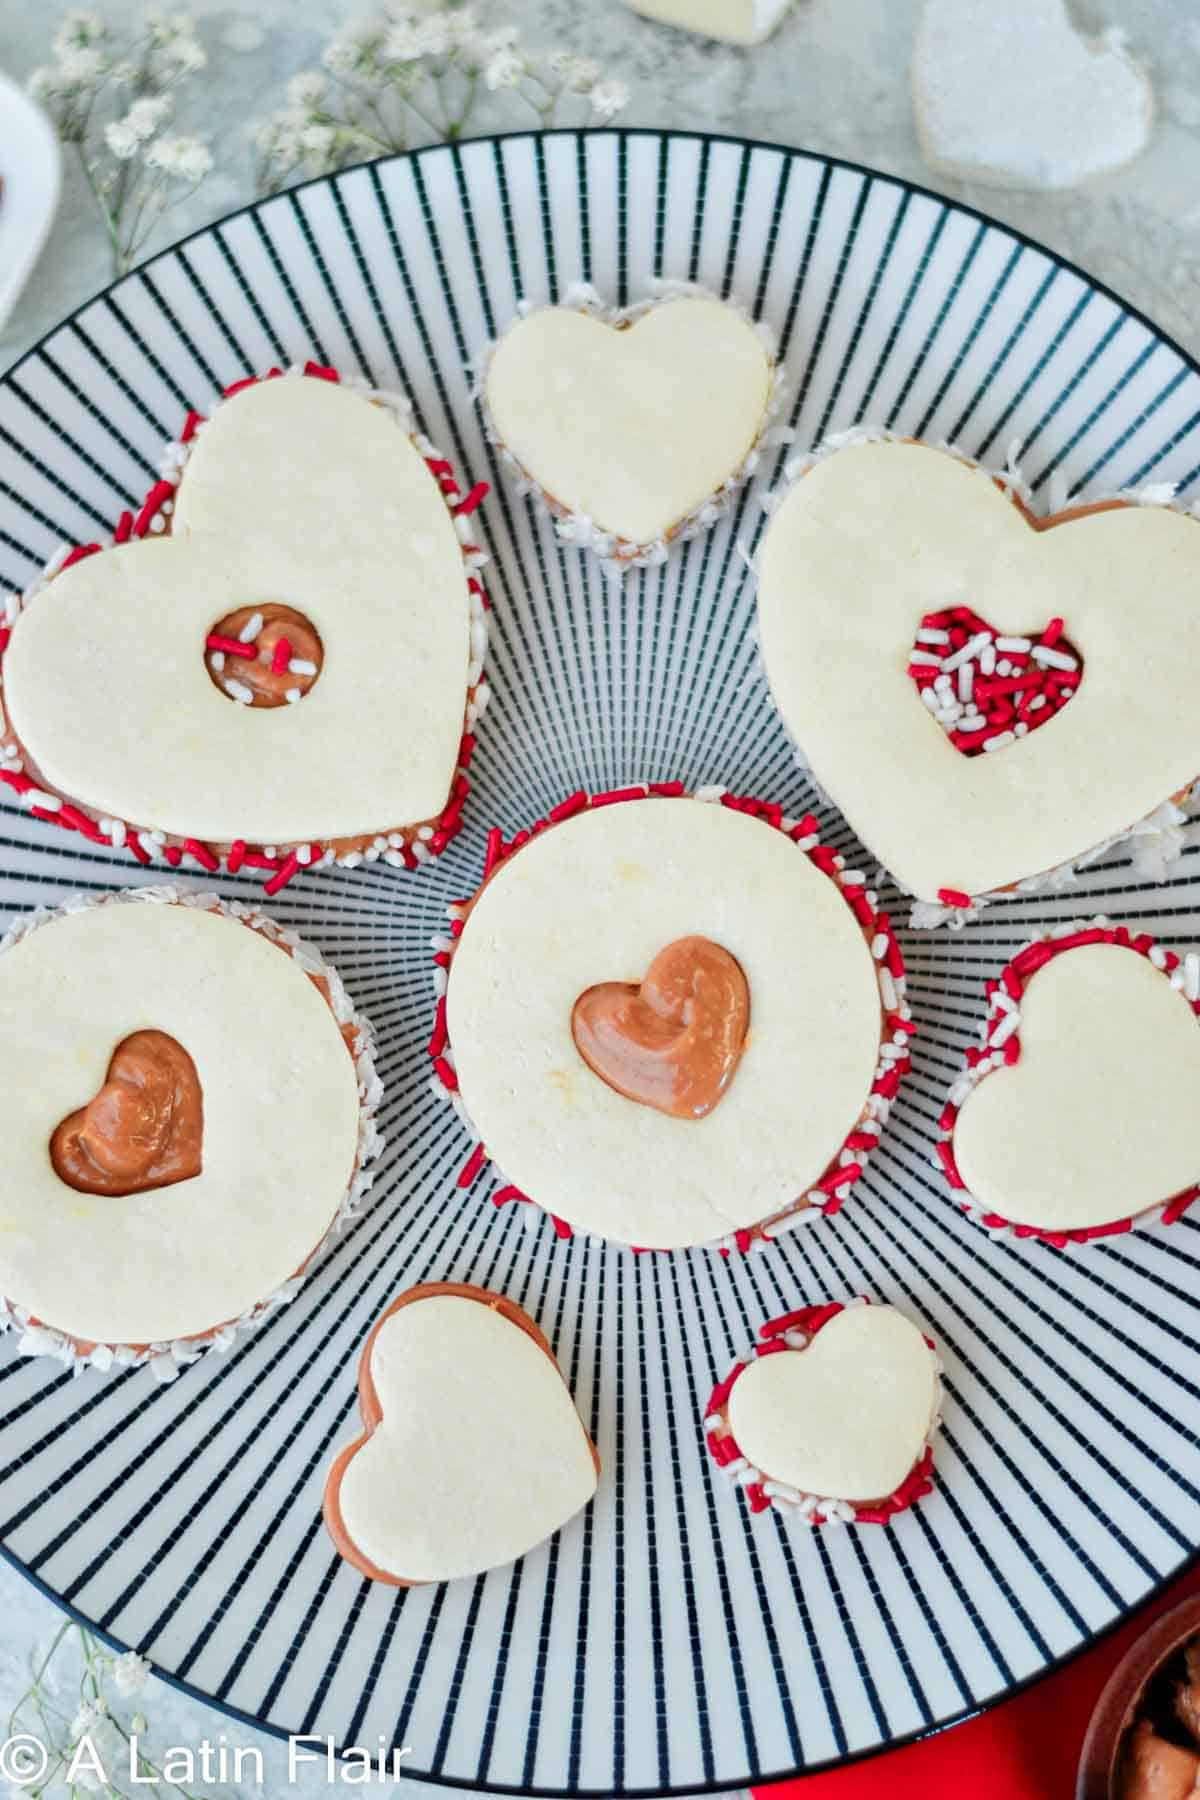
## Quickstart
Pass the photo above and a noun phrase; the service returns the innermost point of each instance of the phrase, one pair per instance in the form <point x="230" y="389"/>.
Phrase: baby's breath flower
<point x="147" y="114"/>
<point x="608" y="98"/>
<point x="505" y="70"/>
<point x="306" y="88"/>
<point x="122" y="139"/>
<point x="184" y="158"/>
<point x="78" y="29"/>
<point x="91" y="1714"/>
<point x="130" y="1674"/>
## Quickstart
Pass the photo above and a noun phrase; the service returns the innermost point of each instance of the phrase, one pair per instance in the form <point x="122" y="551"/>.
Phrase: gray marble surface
<point x="834" y="79"/>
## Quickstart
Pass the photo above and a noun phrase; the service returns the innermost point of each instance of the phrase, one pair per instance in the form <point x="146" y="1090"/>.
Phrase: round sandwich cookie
<point x="277" y="662"/>
<point x="991" y="698"/>
<point x="671" y="1020"/>
<point x="188" y="1109"/>
<point x="632" y="426"/>
<point x="1075" y="1116"/>
<point x="471" y="1452"/>
<point x="829" y="1418"/>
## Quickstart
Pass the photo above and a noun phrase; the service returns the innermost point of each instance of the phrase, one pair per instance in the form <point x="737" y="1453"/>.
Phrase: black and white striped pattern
<point x="664" y="1642"/>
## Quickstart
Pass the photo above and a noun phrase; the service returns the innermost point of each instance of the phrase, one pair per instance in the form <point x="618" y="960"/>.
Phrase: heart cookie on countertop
<point x="632" y="426"/>
<point x="876" y="536"/>
<point x="471" y="1453"/>
<point x="829" y="1417"/>
<point x="270" y="666"/>
<point x="1076" y="1114"/>
<point x="1025" y="100"/>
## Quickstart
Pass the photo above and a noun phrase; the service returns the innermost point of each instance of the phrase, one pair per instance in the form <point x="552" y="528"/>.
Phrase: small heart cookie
<point x="878" y="534"/>
<point x="232" y="1116"/>
<point x="1076" y="1116"/>
<point x="633" y="427"/>
<point x="471" y="1453"/>
<point x="1023" y="99"/>
<point x="830" y="1416"/>
<point x="268" y="668"/>
<point x="755" y="1118"/>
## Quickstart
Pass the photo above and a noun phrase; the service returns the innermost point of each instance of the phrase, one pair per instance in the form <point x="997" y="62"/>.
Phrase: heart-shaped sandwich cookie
<point x="829" y="1417"/>
<point x="633" y="427"/>
<point x="1025" y="101"/>
<point x="471" y="1452"/>
<point x="1076" y="1115"/>
<point x="269" y="667"/>
<point x="877" y="536"/>
<point x="671" y="1021"/>
<point x="187" y="1110"/>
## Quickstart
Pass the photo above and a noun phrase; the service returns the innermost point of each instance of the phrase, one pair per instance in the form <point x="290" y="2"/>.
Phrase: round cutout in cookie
<point x="304" y="503"/>
<point x="874" y="537"/>
<point x="472" y="1452"/>
<point x="631" y="425"/>
<point x="1075" y="1117"/>
<point x="210" y="1093"/>
<point x="831" y="1415"/>
<point x="593" y="900"/>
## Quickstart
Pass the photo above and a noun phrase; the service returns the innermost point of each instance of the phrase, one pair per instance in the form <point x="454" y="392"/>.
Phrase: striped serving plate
<point x="665" y="1642"/>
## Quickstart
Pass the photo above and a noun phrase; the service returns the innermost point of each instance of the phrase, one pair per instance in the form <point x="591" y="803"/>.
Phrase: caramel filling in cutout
<point x="143" y="1129"/>
<point x="674" y="1041"/>
<point x="277" y="665"/>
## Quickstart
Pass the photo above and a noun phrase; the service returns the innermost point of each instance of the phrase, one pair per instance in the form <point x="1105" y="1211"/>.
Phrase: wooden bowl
<point x="1117" y="1705"/>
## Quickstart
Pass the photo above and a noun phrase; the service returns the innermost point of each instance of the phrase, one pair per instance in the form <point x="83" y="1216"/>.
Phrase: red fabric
<point x="1025" y="1749"/>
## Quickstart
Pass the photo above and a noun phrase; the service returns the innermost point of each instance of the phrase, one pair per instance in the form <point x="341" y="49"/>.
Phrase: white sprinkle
<point x="1008" y="1026"/>
<point x="925" y="659"/>
<point x="930" y="635"/>
<point x="216" y="661"/>
<point x="425" y="833"/>
<point x="887" y="988"/>
<point x="931" y="700"/>
<point x="251" y="629"/>
<point x="1022" y="730"/>
<point x="292" y="695"/>
<point x="304" y="855"/>
<point x="1158" y="956"/>
<point x="1021" y="646"/>
<point x="1053" y="659"/>
<point x="237" y="690"/>
<point x="852" y="877"/>
<point x="1037" y="702"/>
<point x="1000" y="739"/>
<point x="966" y="681"/>
<point x="1191" y="975"/>
<point x="1004" y="667"/>
<point x="879" y="946"/>
<point x="979" y="645"/>
<point x="299" y="665"/>
<point x="987" y="660"/>
<point x="39" y="797"/>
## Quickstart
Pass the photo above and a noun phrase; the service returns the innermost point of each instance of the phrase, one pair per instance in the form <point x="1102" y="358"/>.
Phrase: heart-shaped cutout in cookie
<point x="1077" y="1113"/>
<point x="1025" y="100"/>
<point x="302" y="502"/>
<point x="471" y="1451"/>
<point x="986" y="690"/>
<point x="674" y="1040"/>
<point x="632" y="426"/>
<point x="880" y="533"/>
<point x="143" y="1129"/>
<point x="831" y="1416"/>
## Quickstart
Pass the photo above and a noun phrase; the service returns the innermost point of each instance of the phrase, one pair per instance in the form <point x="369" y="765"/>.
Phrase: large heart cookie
<point x="594" y="894"/>
<point x="234" y="1095"/>
<point x="1015" y="96"/>
<point x="830" y="1417"/>
<point x="1077" y="1114"/>
<point x="276" y="674"/>
<point x="471" y="1451"/>
<point x="874" y="537"/>
<point x="632" y="426"/>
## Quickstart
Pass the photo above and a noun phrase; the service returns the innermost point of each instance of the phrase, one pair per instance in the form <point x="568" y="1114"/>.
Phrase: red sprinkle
<point x="281" y="657"/>
<point x="229" y="646"/>
<point x="237" y="856"/>
<point x="289" y="868"/>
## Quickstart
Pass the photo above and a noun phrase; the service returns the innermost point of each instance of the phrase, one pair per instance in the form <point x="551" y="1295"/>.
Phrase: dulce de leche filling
<point x="144" y="1127"/>
<point x="267" y="655"/>
<point x="674" y="1041"/>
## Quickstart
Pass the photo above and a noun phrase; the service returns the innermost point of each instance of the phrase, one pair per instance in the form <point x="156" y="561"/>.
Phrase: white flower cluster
<point x="415" y="69"/>
<point x="111" y="101"/>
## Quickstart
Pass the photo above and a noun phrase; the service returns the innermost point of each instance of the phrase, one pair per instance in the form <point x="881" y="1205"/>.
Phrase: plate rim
<point x="828" y="160"/>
